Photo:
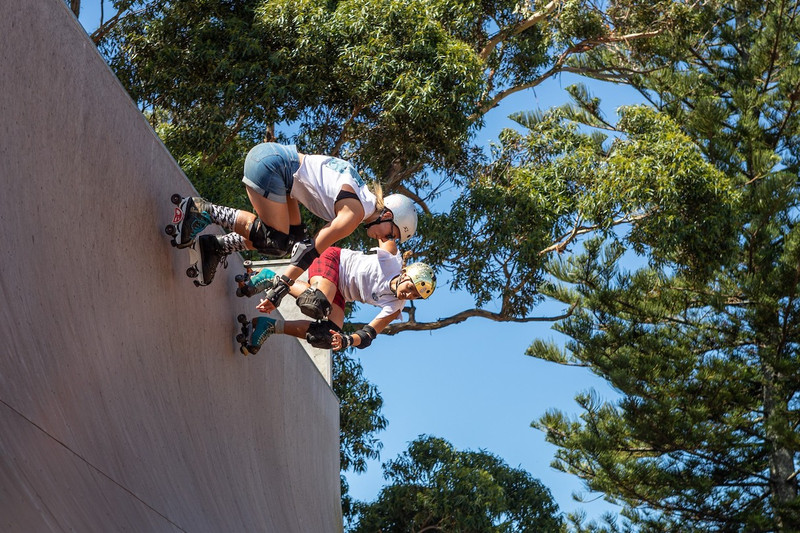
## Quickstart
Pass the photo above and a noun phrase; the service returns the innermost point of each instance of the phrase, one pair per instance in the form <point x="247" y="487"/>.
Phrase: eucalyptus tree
<point x="434" y="487"/>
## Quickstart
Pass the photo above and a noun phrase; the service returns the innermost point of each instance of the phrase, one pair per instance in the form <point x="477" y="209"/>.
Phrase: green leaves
<point x="546" y="188"/>
<point x="435" y="487"/>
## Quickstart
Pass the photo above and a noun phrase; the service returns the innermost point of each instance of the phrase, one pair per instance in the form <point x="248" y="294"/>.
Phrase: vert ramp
<point x="124" y="404"/>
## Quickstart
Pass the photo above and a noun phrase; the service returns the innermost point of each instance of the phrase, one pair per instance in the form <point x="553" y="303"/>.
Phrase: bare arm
<point x="378" y="324"/>
<point x="349" y="214"/>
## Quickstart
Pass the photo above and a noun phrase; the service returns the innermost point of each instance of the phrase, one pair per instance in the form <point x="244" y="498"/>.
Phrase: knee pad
<point x="267" y="240"/>
<point x="303" y="254"/>
<point x="319" y="334"/>
<point x="312" y="302"/>
<point x="297" y="233"/>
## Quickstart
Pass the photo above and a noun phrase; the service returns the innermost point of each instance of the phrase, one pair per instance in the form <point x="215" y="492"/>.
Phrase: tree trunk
<point x="781" y="463"/>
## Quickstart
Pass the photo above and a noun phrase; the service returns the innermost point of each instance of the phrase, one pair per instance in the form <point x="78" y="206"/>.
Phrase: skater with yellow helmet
<point x="343" y="275"/>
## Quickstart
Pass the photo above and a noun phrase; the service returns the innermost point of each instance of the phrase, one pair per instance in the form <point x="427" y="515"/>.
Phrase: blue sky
<point x="471" y="383"/>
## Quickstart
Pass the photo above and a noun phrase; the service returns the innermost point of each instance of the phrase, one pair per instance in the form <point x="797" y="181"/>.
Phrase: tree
<point x="359" y="420"/>
<point x="400" y="87"/>
<point x="434" y="487"/>
<point x="703" y="350"/>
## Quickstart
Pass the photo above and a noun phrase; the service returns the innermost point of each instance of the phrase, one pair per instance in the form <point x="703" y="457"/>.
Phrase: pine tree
<point x="703" y="353"/>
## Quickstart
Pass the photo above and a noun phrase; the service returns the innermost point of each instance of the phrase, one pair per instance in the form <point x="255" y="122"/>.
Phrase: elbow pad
<point x="367" y="335"/>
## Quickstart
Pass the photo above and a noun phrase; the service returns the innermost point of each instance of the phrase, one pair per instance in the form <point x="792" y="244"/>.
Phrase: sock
<point x="232" y="242"/>
<point x="222" y="215"/>
<point x="279" y="322"/>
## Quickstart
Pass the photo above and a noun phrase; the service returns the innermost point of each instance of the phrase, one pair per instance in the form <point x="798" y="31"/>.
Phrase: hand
<point x="265" y="306"/>
<point x="336" y="343"/>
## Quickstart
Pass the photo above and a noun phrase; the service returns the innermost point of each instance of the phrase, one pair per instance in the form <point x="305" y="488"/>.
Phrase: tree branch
<point x="558" y="66"/>
<point x="413" y="325"/>
<point x="516" y="29"/>
<point x="564" y="240"/>
<point x="105" y="27"/>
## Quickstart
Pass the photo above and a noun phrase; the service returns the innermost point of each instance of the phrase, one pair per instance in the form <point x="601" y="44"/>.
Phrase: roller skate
<point x="254" y="333"/>
<point x="189" y="219"/>
<point x="211" y="256"/>
<point x="252" y="283"/>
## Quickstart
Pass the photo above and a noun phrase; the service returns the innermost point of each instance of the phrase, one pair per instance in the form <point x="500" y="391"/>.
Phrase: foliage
<point x="434" y="487"/>
<point x="398" y="86"/>
<point x="555" y="183"/>
<point x="359" y="419"/>
<point x="705" y="435"/>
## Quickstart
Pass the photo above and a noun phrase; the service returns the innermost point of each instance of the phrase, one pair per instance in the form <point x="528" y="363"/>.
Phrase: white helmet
<point x="405" y="216"/>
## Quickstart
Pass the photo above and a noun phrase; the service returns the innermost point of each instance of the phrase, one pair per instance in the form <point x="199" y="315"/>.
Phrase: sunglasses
<point x="391" y="234"/>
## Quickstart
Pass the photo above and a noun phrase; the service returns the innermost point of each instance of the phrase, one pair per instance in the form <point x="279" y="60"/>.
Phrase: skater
<point x="343" y="275"/>
<point x="278" y="178"/>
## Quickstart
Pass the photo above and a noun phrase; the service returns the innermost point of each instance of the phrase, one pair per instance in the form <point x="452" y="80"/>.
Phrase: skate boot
<point x="211" y="255"/>
<point x="251" y="285"/>
<point x="263" y="327"/>
<point x="195" y="218"/>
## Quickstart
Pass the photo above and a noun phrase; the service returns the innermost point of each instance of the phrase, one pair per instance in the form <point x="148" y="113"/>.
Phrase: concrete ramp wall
<point x="124" y="403"/>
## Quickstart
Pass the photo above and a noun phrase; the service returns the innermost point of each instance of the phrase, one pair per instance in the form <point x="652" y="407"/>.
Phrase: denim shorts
<point x="269" y="169"/>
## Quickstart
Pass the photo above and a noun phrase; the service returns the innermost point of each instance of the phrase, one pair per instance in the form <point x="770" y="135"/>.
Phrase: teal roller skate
<point x="252" y="284"/>
<point x="259" y="331"/>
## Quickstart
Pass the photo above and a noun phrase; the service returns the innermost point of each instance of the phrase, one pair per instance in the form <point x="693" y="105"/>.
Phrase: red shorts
<point x="327" y="266"/>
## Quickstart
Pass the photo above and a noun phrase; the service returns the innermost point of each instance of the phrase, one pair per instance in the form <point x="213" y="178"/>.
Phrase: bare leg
<point x="272" y="213"/>
<point x="294" y="211"/>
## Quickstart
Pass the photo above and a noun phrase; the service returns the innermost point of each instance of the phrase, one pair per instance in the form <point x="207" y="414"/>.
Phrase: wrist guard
<point x="279" y="289"/>
<point x="304" y="254"/>
<point x="366" y="334"/>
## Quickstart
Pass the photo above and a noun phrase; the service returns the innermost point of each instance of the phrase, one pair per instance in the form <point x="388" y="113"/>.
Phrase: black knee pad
<point x="312" y="302"/>
<point x="319" y="334"/>
<point x="268" y="240"/>
<point x="297" y="233"/>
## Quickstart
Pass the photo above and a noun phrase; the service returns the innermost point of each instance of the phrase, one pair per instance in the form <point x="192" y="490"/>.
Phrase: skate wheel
<point x="242" y="319"/>
<point x="239" y="293"/>
<point x="176" y="198"/>
<point x="240" y="338"/>
<point x="240" y="278"/>
<point x="174" y="243"/>
<point x="171" y="230"/>
<point x="247" y="263"/>
<point x="192" y="272"/>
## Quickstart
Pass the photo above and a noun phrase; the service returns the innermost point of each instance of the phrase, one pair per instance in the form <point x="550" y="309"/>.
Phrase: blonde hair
<point x="377" y="190"/>
<point x="408" y="254"/>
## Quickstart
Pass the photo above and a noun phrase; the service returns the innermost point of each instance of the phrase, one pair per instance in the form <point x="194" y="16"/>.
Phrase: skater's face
<point x="385" y="231"/>
<point x="406" y="289"/>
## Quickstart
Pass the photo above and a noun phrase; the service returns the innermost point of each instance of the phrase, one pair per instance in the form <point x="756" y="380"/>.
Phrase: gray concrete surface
<point x="124" y="403"/>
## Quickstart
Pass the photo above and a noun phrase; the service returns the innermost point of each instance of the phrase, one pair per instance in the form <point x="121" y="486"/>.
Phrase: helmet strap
<point x="396" y="281"/>
<point x="378" y="220"/>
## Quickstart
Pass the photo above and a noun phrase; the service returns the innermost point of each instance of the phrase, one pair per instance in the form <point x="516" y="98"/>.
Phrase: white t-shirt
<point x="365" y="278"/>
<point x="319" y="181"/>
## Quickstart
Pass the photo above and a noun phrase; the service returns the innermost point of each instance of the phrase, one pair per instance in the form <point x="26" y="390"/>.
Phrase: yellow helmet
<point x="423" y="277"/>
